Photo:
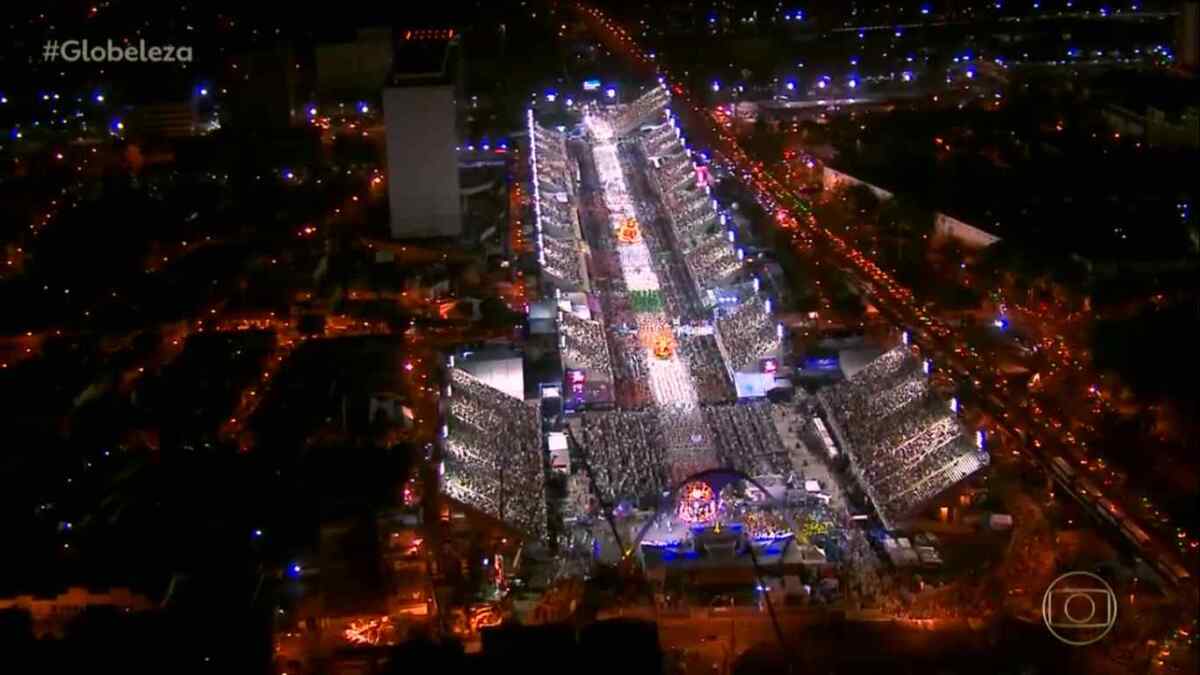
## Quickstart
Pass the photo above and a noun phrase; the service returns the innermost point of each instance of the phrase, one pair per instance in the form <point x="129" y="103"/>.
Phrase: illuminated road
<point x="1044" y="440"/>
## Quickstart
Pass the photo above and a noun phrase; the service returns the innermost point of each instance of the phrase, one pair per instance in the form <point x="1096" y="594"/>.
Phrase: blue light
<point x="288" y="174"/>
<point x="925" y="9"/>
<point x="363" y="108"/>
<point x="907" y="76"/>
<point x="716" y="86"/>
<point x="294" y="570"/>
<point x="853" y="83"/>
<point x="99" y="97"/>
<point x="791" y="86"/>
<point x="204" y="91"/>
<point x="258" y="534"/>
<point x="610" y="92"/>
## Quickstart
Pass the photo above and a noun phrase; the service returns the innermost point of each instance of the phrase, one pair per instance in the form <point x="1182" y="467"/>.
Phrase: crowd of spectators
<point x="746" y="438"/>
<point x="704" y="360"/>
<point x="710" y="257"/>
<point x="660" y="140"/>
<point x="747" y="333"/>
<point x="649" y="105"/>
<point x="623" y="451"/>
<point x="905" y="444"/>
<point x="584" y="345"/>
<point x="560" y="252"/>
<point x="563" y="260"/>
<point x="492" y="456"/>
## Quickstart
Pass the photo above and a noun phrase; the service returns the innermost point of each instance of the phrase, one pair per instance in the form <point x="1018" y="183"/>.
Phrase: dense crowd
<point x="493" y="455"/>
<point x="557" y="218"/>
<point x="710" y="257"/>
<point x="623" y="452"/>
<point x="584" y="344"/>
<point x="704" y="360"/>
<point x="647" y="106"/>
<point x="551" y="160"/>
<point x="563" y="260"/>
<point x="660" y="140"/>
<point x="748" y="333"/>
<point x="713" y="262"/>
<point x="747" y="440"/>
<point x="905" y="444"/>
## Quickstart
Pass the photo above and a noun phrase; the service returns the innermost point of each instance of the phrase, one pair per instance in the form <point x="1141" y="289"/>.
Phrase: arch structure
<point x="715" y="479"/>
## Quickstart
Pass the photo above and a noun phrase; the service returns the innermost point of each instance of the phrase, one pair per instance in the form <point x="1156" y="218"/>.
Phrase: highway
<point x="1042" y="438"/>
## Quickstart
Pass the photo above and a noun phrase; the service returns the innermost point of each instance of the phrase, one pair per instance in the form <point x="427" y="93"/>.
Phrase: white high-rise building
<point x="420" y="114"/>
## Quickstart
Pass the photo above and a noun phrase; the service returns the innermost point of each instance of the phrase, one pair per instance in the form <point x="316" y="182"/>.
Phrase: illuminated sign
<point x="821" y="363"/>
<point x="591" y="85"/>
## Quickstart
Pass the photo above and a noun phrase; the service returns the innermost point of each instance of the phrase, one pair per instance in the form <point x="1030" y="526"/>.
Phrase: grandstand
<point x="904" y="442"/>
<point x="492" y="459"/>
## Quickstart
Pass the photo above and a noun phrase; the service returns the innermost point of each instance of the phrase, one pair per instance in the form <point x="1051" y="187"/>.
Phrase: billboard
<point x="591" y="85"/>
<point x="753" y="385"/>
<point x="823" y="362"/>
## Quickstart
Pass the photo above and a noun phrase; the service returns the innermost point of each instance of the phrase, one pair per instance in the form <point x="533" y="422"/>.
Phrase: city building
<point x="355" y="69"/>
<point x="265" y="99"/>
<point x="164" y="120"/>
<point x="420" y="113"/>
<point x="51" y="614"/>
<point x="1188" y="35"/>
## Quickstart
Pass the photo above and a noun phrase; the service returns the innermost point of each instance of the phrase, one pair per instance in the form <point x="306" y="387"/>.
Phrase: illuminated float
<point x="697" y="503"/>
<point x="664" y="348"/>
<point x="628" y="231"/>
